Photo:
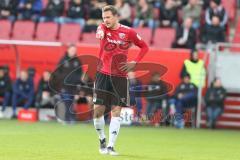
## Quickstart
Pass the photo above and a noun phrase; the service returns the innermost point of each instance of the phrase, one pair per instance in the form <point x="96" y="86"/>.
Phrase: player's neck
<point x="116" y="26"/>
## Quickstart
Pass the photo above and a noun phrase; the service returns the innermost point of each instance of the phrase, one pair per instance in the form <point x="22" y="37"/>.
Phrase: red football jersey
<point x="114" y="48"/>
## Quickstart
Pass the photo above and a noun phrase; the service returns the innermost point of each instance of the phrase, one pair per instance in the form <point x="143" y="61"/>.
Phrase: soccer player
<point x="111" y="85"/>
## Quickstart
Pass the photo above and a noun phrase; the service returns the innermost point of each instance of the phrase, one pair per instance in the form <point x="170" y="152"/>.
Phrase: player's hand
<point x="126" y="67"/>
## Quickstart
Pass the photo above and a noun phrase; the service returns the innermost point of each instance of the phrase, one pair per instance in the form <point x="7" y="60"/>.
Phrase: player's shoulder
<point x="101" y="26"/>
<point x="127" y="29"/>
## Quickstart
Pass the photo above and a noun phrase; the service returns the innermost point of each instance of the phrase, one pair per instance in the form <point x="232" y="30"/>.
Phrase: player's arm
<point x="138" y="41"/>
<point x="100" y="32"/>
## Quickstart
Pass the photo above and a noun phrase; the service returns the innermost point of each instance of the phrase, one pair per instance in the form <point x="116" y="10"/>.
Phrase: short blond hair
<point x="110" y="8"/>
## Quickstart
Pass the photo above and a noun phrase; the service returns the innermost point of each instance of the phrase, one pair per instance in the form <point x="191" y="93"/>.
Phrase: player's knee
<point x="116" y="111"/>
<point x="98" y="111"/>
<point x="115" y="114"/>
<point x="97" y="114"/>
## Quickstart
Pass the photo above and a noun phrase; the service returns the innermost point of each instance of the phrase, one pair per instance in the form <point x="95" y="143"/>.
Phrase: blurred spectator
<point x="29" y="9"/>
<point x="185" y="97"/>
<point x="206" y="4"/>
<point x="53" y="11"/>
<point x="213" y="33"/>
<point x="124" y="10"/>
<point x="168" y="14"/>
<point x="44" y="95"/>
<point x="76" y="13"/>
<point x="214" y="99"/>
<point x="216" y="9"/>
<point x="157" y="3"/>
<point x="135" y="100"/>
<point x="85" y="97"/>
<point x="157" y="101"/>
<point x="31" y="73"/>
<point x="193" y="10"/>
<point x="23" y="91"/>
<point x="180" y="3"/>
<point x="109" y="2"/>
<point x="186" y="36"/>
<point x="132" y="2"/>
<point x="5" y="90"/>
<point x="8" y="9"/>
<point x="183" y="2"/>
<point x="85" y="87"/>
<point x="144" y="15"/>
<point x="195" y="68"/>
<point x="95" y="16"/>
<point x="69" y="73"/>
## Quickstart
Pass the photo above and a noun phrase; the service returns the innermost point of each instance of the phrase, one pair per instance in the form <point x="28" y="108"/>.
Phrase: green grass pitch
<point x="53" y="141"/>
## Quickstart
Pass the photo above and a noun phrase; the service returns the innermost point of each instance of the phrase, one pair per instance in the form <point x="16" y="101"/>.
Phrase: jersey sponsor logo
<point x="122" y="35"/>
<point x="115" y="41"/>
<point x="111" y="46"/>
<point x="126" y="45"/>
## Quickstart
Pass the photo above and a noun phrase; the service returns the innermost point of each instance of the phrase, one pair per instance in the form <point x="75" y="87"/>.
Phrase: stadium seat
<point x="89" y="38"/>
<point x="23" y="30"/>
<point x="69" y="33"/>
<point x="47" y="31"/>
<point x="145" y="33"/>
<point x="163" y="37"/>
<point x="5" y="29"/>
<point x="231" y="8"/>
<point x="237" y="32"/>
<point x="236" y="40"/>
